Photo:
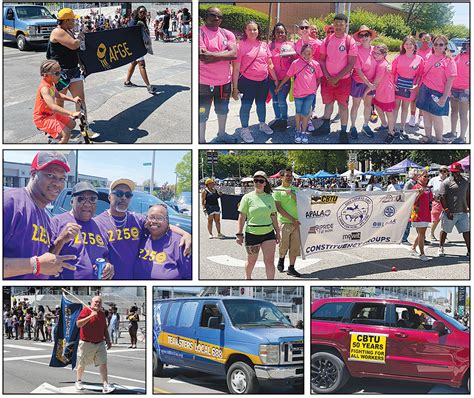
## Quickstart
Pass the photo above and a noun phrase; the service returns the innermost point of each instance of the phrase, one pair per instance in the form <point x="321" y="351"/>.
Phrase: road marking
<point x="49" y="355"/>
<point x="125" y="356"/>
<point x="93" y="373"/>
<point x="157" y="390"/>
<point x="235" y="262"/>
<point x="47" y="388"/>
<point x="21" y="347"/>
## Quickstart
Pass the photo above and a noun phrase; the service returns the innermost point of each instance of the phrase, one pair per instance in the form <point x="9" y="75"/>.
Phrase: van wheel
<point x="241" y="379"/>
<point x="157" y="365"/>
<point x="328" y="373"/>
<point x="21" y="42"/>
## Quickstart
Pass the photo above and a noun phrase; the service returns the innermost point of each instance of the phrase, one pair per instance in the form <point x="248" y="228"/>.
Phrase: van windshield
<point x="33" y="13"/>
<point x="450" y="320"/>
<point x="255" y="314"/>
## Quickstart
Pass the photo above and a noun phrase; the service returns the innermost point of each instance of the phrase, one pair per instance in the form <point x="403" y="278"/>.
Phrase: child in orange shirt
<point x="47" y="115"/>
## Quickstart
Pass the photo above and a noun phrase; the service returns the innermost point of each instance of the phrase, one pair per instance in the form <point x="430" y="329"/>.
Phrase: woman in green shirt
<point x="259" y="215"/>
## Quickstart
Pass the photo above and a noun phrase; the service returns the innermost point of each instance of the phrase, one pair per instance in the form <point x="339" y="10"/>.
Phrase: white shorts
<point x="140" y="59"/>
<point x="420" y="224"/>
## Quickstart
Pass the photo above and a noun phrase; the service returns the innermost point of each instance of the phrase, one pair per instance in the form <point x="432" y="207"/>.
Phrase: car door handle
<point x="345" y="329"/>
<point x="403" y="335"/>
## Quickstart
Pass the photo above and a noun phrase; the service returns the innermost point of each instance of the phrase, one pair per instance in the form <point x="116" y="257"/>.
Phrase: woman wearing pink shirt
<point x="433" y="98"/>
<point x="424" y="51"/>
<point x="307" y="73"/>
<point x="460" y="95"/>
<point x="362" y="75"/>
<point x="407" y="68"/>
<point x="250" y="78"/>
<point x="283" y="52"/>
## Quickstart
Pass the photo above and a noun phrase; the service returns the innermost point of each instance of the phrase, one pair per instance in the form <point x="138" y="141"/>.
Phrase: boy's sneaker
<point x="449" y="136"/>
<point x="107" y="388"/>
<point x="292" y="272"/>
<point x="354" y="134"/>
<point x="422" y="257"/>
<point x="265" y="128"/>
<point x="381" y="128"/>
<point x="310" y="126"/>
<point x="151" y="89"/>
<point x="368" y="131"/>
<point x="404" y="136"/>
<point x="458" y="140"/>
<point x="343" y="138"/>
<point x="441" y="252"/>
<point x="221" y="236"/>
<point x="297" y="137"/>
<point x="304" y="138"/>
<point x="281" y="264"/>
<point x="412" y="121"/>
<point x="336" y="118"/>
<point x="79" y="386"/>
<point x="246" y="135"/>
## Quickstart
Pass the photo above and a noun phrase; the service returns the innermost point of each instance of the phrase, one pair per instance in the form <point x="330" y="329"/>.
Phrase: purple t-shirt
<point x="88" y="245"/>
<point x="162" y="259"/>
<point x="26" y="228"/>
<point x="122" y="242"/>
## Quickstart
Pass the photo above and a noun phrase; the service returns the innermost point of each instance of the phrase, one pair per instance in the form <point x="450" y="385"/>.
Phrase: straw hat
<point x="365" y="28"/>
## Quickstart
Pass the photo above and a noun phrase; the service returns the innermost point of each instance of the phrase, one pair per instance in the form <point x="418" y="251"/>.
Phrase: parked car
<point x="386" y="338"/>
<point x="27" y="24"/>
<point x="453" y="48"/>
<point x="458" y="42"/>
<point x="246" y="340"/>
<point x="140" y="203"/>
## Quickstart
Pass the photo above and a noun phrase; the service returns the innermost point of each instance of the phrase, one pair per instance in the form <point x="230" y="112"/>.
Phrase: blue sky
<point x="118" y="163"/>
<point x="461" y="14"/>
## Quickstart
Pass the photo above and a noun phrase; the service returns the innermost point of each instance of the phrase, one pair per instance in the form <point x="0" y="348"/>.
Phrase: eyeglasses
<point x="364" y="35"/>
<point x="288" y="176"/>
<point x="330" y="32"/>
<point x="214" y="15"/>
<point x="259" y="181"/>
<point x="439" y="44"/>
<point x="443" y="171"/>
<point x="377" y="53"/>
<point x="304" y="27"/>
<point x="156" y="219"/>
<point x="121" y="194"/>
<point x="90" y="199"/>
<point x="55" y="73"/>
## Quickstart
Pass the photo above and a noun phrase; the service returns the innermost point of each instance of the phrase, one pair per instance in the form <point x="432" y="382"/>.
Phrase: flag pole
<point x="73" y="295"/>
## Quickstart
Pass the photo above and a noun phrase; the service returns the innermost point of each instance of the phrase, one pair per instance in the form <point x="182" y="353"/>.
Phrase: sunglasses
<point x="90" y="199"/>
<point x="330" y="32"/>
<point x="55" y="73"/>
<point x="444" y="171"/>
<point x="214" y="15"/>
<point x="304" y="27"/>
<point x="121" y="194"/>
<point x="439" y="44"/>
<point x="364" y="35"/>
<point x="288" y="176"/>
<point x="259" y="181"/>
<point x="377" y="53"/>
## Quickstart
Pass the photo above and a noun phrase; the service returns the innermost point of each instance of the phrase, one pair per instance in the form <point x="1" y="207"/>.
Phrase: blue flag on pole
<point x="66" y="338"/>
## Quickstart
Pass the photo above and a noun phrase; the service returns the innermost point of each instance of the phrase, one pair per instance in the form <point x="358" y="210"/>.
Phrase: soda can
<point x="100" y="264"/>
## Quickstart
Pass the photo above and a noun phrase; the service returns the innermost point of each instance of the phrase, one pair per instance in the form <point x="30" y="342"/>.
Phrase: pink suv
<point x="395" y="339"/>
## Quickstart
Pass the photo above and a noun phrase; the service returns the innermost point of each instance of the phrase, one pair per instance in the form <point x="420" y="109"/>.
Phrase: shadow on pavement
<point x="123" y="128"/>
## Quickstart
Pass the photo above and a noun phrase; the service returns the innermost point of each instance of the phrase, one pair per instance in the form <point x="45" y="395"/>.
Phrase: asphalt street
<point x="187" y="381"/>
<point x="26" y="370"/>
<point x="224" y="259"/>
<point x="287" y="136"/>
<point x="124" y="115"/>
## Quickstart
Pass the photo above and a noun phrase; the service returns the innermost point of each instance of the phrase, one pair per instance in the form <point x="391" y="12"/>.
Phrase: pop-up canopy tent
<point x="466" y="163"/>
<point x="323" y="174"/>
<point x="348" y="173"/>
<point x="403" y="167"/>
<point x="374" y="173"/>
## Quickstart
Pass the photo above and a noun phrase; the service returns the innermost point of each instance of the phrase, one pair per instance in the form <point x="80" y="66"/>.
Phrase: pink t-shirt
<point x="424" y="53"/>
<point x="422" y="205"/>
<point x="408" y="67"/>
<point x="437" y="69"/>
<point x="385" y="91"/>
<point x="365" y="62"/>
<point x="306" y="76"/>
<point x="315" y="43"/>
<point x="280" y="64"/>
<point x="337" y="56"/>
<point x="252" y="56"/>
<point x="461" y="82"/>
<point x="217" y="73"/>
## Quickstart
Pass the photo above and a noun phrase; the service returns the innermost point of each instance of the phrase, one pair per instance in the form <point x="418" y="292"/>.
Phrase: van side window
<point x="208" y="311"/>
<point x="160" y="313"/>
<point x="172" y="318"/>
<point x="331" y="312"/>
<point x="413" y="318"/>
<point x="188" y="313"/>
<point x="369" y="314"/>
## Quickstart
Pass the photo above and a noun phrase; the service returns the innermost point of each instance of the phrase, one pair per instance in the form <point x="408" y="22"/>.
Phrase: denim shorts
<point x="460" y="221"/>
<point x="460" y="94"/>
<point x="426" y="103"/>
<point x="304" y="105"/>
<point x="69" y="76"/>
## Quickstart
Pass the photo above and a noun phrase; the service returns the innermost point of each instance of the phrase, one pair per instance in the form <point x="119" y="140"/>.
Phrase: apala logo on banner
<point x="110" y="49"/>
<point x="355" y="212"/>
<point x="318" y="213"/>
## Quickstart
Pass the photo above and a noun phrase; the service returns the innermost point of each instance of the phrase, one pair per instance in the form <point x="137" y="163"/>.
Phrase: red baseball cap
<point x="456" y="168"/>
<point x="45" y="158"/>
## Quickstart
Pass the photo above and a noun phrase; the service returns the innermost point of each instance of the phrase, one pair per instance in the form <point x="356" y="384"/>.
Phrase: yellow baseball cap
<point x="66" y="13"/>
<point x="208" y="181"/>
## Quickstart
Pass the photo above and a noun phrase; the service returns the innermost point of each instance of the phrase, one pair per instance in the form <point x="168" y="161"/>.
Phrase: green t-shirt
<point x="258" y="208"/>
<point x="287" y="202"/>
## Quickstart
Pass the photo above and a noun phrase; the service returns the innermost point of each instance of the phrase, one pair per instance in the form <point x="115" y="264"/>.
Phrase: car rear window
<point x="331" y="312"/>
<point x="369" y="313"/>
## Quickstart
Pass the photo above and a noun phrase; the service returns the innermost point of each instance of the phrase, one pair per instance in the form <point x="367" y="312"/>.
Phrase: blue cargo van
<point x="26" y="24"/>
<point x="246" y="340"/>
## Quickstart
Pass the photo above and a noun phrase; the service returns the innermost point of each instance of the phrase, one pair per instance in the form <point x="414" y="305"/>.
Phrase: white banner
<point x="347" y="220"/>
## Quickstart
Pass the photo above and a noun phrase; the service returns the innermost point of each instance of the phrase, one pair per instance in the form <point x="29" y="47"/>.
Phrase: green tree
<point x="452" y="31"/>
<point x="184" y="175"/>
<point x="428" y="16"/>
<point x="312" y="161"/>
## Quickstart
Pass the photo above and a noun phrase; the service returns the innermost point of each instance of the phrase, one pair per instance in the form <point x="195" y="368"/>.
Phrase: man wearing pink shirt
<point x="217" y="48"/>
<point x="338" y="54"/>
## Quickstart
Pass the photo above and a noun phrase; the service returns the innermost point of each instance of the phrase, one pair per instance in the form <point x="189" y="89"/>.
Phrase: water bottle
<point x="100" y="264"/>
<point x="434" y="98"/>
<point x="82" y="45"/>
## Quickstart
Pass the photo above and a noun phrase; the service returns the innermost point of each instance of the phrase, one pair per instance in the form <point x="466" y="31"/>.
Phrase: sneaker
<point x="422" y="257"/>
<point x="433" y="238"/>
<point x="246" y="135"/>
<point x="221" y="236"/>
<point x="292" y="272"/>
<point x="441" y="252"/>
<point x="343" y="138"/>
<point x="381" y="128"/>
<point x="412" y="121"/>
<point x="211" y="236"/>
<point x="420" y="123"/>
<point x="404" y="136"/>
<point x="413" y="252"/>
<point x="224" y="139"/>
<point x="297" y="137"/>
<point x="310" y="126"/>
<point x="322" y="130"/>
<point x="354" y="134"/>
<point x="336" y="118"/>
<point x="449" y="135"/>
<point x="107" y="388"/>
<point x="390" y="138"/>
<point x="79" y="386"/>
<point x="304" y="138"/>
<point x="458" y="140"/>
<point x="368" y="131"/>
<point x="150" y="89"/>
<point x="281" y="264"/>
<point x="265" y="128"/>
<point x="128" y="84"/>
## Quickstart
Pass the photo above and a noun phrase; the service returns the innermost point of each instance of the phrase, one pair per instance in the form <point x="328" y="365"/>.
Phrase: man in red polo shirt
<point x="93" y="332"/>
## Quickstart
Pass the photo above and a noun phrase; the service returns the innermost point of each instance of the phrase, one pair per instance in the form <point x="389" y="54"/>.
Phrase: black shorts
<point x="219" y="94"/>
<point x="255" y="240"/>
<point x="69" y="76"/>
